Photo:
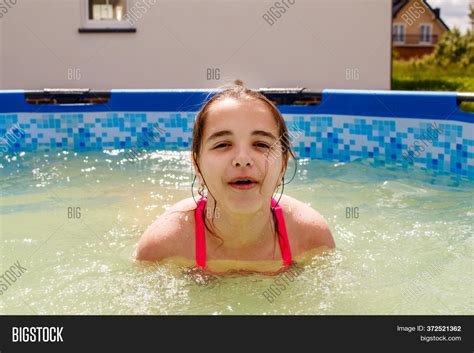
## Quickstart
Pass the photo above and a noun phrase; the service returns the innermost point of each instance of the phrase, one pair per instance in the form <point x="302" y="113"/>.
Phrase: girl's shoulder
<point x="171" y="234"/>
<point x="307" y="229"/>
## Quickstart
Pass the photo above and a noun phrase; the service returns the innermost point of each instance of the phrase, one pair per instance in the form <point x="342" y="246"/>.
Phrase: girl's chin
<point x="245" y="203"/>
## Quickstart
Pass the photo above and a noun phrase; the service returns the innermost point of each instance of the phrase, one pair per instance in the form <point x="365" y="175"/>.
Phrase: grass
<point x="418" y="76"/>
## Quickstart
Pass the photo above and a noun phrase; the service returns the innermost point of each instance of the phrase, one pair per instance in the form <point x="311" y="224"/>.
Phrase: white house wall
<point x="316" y="44"/>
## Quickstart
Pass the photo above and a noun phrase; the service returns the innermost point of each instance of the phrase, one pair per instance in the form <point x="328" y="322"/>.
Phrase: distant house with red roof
<point x="416" y="28"/>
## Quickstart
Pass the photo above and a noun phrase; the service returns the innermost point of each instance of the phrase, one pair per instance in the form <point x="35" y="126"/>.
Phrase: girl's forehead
<point x="242" y="112"/>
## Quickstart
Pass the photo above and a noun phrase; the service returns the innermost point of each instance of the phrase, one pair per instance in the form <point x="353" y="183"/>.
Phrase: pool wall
<point x="426" y="129"/>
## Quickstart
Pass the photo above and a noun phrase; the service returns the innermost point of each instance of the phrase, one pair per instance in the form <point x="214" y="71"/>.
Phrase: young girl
<point x="240" y="154"/>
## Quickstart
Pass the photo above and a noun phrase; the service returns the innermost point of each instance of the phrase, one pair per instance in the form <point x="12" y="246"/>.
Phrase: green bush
<point x="454" y="49"/>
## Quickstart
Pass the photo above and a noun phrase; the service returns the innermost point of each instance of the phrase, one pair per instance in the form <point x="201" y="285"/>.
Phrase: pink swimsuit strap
<point x="201" y="234"/>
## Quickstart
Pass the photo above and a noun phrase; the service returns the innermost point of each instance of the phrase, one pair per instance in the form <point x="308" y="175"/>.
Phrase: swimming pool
<point x="80" y="184"/>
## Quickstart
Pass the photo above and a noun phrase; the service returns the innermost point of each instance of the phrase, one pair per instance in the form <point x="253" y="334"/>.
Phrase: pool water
<point x="73" y="219"/>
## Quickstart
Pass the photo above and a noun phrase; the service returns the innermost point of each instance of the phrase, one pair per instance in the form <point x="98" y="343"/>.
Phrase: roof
<point x="397" y="5"/>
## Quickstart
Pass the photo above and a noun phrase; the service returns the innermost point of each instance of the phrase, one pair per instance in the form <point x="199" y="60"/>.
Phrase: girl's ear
<point x="285" y="165"/>
<point x="193" y="162"/>
<point x="195" y="168"/>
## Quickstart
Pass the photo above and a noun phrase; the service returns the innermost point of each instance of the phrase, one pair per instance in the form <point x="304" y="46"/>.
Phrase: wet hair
<point x="238" y="92"/>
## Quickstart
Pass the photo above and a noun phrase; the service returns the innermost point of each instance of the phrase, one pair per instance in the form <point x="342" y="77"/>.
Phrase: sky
<point x="454" y="12"/>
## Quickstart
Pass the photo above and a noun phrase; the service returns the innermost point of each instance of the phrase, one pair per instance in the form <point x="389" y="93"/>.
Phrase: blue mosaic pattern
<point x="341" y="138"/>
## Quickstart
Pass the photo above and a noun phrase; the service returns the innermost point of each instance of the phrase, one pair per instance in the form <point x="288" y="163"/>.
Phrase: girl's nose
<point x="242" y="159"/>
<point x="238" y="163"/>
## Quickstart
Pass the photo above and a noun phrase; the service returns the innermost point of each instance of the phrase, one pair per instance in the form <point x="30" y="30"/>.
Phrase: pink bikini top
<point x="201" y="234"/>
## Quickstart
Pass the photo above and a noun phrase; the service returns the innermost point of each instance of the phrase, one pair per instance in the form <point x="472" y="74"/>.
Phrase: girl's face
<point x="241" y="142"/>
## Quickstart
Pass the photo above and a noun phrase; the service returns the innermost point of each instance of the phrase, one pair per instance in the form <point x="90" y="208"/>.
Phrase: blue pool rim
<point x="394" y="104"/>
<point x="346" y="125"/>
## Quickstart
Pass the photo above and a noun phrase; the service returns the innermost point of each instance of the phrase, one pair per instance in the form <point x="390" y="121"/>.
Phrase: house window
<point x="425" y="33"/>
<point x="107" y="10"/>
<point x="399" y="33"/>
<point x="106" y="15"/>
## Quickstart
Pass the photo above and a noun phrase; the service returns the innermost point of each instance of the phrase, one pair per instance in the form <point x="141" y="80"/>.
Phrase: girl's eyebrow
<point x="264" y="133"/>
<point x="228" y="132"/>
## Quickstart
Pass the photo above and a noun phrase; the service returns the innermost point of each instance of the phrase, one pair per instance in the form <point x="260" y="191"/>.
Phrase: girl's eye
<point x="261" y="144"/>
<point x="258" y="144"/>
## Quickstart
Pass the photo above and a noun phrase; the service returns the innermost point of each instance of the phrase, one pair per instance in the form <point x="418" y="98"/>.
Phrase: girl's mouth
<point x="243" y="184"/>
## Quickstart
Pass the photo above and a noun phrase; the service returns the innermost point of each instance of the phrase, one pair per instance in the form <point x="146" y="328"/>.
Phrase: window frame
<point x="430" y="33"/>
<point x="397" y="35"/>
<point x="88" y="25"/>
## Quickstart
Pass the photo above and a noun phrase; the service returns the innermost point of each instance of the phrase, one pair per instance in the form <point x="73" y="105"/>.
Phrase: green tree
<point x="454" y="49"/>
